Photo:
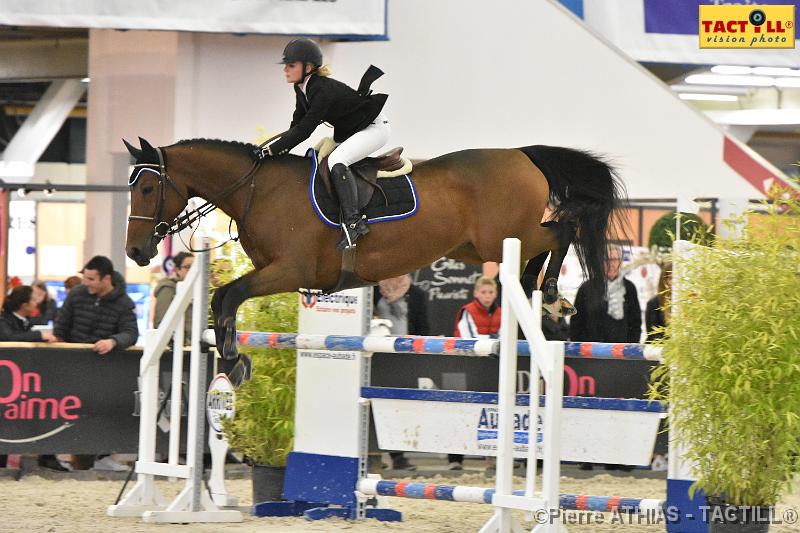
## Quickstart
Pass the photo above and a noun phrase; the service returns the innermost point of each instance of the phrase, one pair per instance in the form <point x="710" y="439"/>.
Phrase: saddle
<point x="366" y="173"/>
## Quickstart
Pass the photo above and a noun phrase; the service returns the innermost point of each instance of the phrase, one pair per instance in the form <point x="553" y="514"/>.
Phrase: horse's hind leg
<point x="531" y="273"/>
<point x="565" y="234"/>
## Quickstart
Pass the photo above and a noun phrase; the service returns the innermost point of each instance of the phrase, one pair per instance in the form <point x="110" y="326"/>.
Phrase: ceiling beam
<point x="44" y="60"/>
<point x="38" y="130"/>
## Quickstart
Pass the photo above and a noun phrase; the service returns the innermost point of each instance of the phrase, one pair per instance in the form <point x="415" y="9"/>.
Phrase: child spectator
<point x="479" y="318"/>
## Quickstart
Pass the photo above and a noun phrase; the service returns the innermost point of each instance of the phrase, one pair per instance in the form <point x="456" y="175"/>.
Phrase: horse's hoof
<point x="240" y="371"/>
<point x="561" y="308"/>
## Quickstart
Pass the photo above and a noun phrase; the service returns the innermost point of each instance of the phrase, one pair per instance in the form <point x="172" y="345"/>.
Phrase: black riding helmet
<point x="304" y="50"/>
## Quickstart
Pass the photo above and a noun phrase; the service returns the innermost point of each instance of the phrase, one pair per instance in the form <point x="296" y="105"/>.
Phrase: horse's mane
<point x="245" y="148"/>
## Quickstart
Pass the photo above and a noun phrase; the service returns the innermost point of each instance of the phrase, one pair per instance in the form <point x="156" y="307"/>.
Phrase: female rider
<point x="359" y="125"/>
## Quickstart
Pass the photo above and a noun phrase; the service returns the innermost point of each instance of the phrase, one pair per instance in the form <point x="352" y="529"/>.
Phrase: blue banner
<point x="683" y="17"/>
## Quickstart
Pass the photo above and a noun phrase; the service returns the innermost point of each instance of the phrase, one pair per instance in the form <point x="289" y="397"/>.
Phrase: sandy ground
<point x="36" y="504"/>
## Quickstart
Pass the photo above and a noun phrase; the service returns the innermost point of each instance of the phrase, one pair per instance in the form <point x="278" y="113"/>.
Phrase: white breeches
<point x="362" y="144"/>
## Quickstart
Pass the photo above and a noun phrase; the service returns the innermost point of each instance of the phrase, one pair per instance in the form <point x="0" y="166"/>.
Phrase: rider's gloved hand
<point x="262" y="152"/>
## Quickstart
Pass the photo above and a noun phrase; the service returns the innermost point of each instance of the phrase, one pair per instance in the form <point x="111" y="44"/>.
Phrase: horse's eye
<point x="147" y="190"/>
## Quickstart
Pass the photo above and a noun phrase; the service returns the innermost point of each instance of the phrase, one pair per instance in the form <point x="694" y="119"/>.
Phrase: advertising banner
<point x="360" y="19"/>
<point x="471" y="429"/>
<point x="330" y="376"/>
<point x="72" y="400"/>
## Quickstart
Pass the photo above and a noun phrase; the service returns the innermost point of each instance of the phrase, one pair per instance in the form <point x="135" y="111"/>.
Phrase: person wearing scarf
<point x="618" y="317"/>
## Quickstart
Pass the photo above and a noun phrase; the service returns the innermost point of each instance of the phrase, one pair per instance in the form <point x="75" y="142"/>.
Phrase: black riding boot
<point x="354" y="225"/>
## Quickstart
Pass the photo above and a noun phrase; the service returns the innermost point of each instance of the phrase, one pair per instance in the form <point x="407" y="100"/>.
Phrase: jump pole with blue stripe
<point x="420" y="345"/>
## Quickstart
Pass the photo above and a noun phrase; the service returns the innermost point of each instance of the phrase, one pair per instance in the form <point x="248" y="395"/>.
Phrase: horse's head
<point x="155" y="202"/>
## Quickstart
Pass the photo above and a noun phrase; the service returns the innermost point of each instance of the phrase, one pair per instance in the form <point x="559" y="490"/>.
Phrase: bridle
<point x="162" y="228"/>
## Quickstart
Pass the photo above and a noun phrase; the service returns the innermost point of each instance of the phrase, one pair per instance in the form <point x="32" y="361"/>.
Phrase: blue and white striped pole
<point x="462" y="493"/>
<point x="435" y="345"/>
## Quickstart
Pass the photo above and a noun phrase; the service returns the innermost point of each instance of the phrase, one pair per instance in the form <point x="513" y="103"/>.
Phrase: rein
<point x="163" y="228"/>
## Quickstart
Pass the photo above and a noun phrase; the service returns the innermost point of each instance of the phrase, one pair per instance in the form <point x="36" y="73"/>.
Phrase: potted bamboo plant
<point x="263" y="428"/>
<point x="731" y="369"/>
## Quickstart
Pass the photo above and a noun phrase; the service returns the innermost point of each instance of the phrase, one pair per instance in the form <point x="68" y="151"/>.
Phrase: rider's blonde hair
<point x="324" y="70"/>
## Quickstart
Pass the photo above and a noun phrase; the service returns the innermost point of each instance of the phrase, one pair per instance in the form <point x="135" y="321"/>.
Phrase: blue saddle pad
<point x="400" y="191"/>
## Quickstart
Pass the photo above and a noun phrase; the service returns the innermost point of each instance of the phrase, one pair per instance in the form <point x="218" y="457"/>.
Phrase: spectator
<point x="656" y="314"/>
<point x="166" y="289"/>
<point x="98" y="312"/>
<point x="45" y="311"/>
<point x="479" y="318"/>
<point x="71" y="282"/>
<point x="398" y="300"/>
<point x="15" y="324"/>
<point x="616" y="318"/>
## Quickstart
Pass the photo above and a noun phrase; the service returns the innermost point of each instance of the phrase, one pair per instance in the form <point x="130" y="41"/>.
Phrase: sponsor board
<point x="590" y="435"/>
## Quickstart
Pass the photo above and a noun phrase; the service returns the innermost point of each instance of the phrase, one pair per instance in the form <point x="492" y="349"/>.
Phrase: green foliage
<point x="263" y="428"/>
<point x="731" y="367"/>
<point x="693" y="228"/>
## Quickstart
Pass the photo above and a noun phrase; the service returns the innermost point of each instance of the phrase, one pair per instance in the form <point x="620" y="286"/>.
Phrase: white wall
<point x="463" y="75"/>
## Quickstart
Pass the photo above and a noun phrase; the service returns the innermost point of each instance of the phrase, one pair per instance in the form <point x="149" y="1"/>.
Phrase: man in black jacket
<point x="98" y="311"/>
<point x="14" y="320"/>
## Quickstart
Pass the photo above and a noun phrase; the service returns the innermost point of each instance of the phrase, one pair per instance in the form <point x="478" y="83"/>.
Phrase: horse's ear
<point x="147" y="148"/>
<point x="135" y="152"/>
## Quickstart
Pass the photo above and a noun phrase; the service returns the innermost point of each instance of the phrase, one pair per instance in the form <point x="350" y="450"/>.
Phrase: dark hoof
<point x="239" y="371"/>
<point x="229" y="350"/>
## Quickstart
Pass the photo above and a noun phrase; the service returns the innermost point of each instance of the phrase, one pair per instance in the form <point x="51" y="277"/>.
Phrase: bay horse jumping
<point x="469" y="201"/>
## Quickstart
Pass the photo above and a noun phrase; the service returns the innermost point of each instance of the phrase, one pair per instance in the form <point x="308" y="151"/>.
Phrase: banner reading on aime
<point x="747" y="26"/>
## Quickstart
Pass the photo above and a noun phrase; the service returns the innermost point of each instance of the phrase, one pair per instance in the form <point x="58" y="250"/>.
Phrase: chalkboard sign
<point x="448" y="284"/>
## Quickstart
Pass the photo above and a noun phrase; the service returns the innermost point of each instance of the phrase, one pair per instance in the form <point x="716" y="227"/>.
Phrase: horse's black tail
<point x="584" y="191"/>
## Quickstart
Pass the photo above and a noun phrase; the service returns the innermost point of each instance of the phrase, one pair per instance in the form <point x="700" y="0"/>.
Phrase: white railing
<point x="547" y="363"/>
<point x="194" y="503"/>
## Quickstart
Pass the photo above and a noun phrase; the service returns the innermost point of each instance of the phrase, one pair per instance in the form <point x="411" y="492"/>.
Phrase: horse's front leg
<point x="270" y="280"/>
<point x="216" y="306"/>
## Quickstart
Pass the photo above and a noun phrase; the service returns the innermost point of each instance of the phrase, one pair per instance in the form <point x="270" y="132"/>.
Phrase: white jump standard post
<point x="193" y="504"/>
<point x="548" y="361"/>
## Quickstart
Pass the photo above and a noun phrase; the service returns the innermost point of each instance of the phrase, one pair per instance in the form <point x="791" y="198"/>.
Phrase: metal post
<point x="176" y="395"/>
<point x="197" y="379"/>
